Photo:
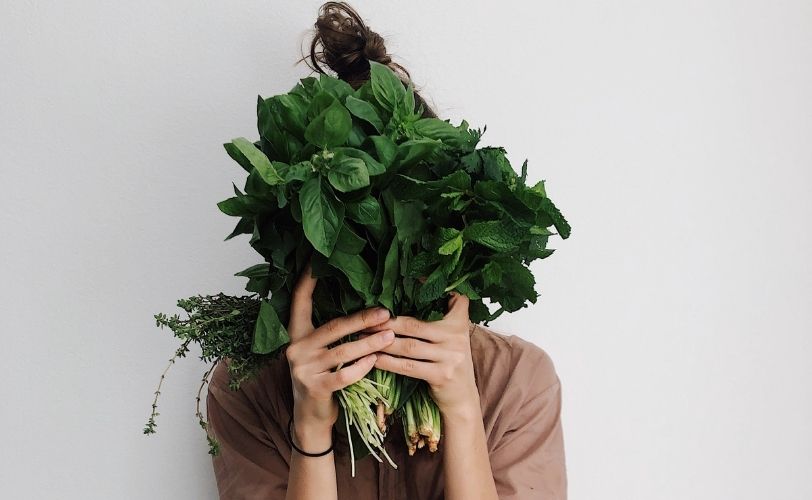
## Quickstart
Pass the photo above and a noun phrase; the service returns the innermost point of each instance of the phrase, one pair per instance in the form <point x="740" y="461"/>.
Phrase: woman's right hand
<point x="311" y="361"/>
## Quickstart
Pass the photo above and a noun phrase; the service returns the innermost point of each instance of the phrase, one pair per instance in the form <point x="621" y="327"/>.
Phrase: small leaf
<point x="348" y="174"/>
<point x="269" y="333"/>
<point x="365" y="211"/>
<point x="331" y="127"/>
<point x="387" y="88"/>
<point x="322" y="215"/>
<point x="390" y="275"/>
<point x="364" y="111"/>
<point x="385" y="148"/>
<point x="501" y="236"/>
<point x="258" y="160"/>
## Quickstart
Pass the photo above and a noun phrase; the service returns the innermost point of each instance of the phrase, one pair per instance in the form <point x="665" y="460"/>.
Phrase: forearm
<point x="312" y="477"/>
<point x="466" y="466"/>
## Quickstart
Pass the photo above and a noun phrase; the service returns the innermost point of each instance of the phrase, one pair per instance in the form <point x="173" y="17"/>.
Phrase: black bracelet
<point x="293" y="445"/>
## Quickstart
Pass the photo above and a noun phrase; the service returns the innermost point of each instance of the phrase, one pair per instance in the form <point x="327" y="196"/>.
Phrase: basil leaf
<point x="322" y="215"/>
<point x="387" y="88"/>
<point x="390" y="276"/>
<point x="348" y="174"/>
<point x="357" y="271"/>
<point x="365" y="211"/>
<point x="257" y="160"/>
<point x="364" y="111"/>
<point x="331" y="127"/>
<point x="385" y="148"/>
<point x="269" y="333"/>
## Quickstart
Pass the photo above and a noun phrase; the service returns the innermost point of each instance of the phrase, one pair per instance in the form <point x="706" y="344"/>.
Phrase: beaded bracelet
<point x="305" y="453"/>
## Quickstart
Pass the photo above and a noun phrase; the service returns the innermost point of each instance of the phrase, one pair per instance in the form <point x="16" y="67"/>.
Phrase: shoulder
<point x="264" y="397"/>
<point x="497" y="352"/>
<point x="514" y="376"/>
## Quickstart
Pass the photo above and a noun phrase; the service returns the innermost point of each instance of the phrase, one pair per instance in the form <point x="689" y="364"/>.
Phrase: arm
<point x="466" y="465"/>
<point x="249" y="464"/>
<point x="313" y="379"/>
<point x="528" y="460"/>
<point x="312" y="477"/>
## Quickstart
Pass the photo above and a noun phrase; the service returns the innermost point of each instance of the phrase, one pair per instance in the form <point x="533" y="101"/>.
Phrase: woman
<point x="499" y="395"/>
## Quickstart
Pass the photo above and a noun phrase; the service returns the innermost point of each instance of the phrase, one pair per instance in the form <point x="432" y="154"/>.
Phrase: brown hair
<point x="347" y="46"/>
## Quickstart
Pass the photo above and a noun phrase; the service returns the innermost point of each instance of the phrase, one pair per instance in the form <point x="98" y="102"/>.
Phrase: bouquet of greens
<point x="392" y="209"/>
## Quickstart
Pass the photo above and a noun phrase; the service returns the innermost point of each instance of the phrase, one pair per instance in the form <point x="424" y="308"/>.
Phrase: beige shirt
<point x="520" y="395"/>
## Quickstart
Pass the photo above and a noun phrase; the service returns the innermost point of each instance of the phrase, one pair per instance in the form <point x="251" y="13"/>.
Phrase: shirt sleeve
<point x="249" y="465"/>
<point x="528" y="459"/>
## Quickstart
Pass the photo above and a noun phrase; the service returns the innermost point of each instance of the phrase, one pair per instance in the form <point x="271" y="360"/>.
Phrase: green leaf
<point x="357" y="271"/>
<point x="364" y="111"/>
<point x="331" y="127"/>
<point x="501" y="236"/>
<point x="387" y="88"/>
<point x="452" y="244"/>
<point x="335" y="86"/>
<point x="435" y="128"/>
<point x="348" y="174"/>
<point x="348" y="241"/>
<point x="255" y="271"/>
<point x="241" y="206"/>
<point x="235" y="154"/>
<point x="390" y="276"/>
<point x="269" y="333"/>
<point x="300" y="171"/>
<point x="561" y="224"/>
<point x="373" y="166"/>
<point x="408" y="218"/>
<point x="491" y="274"/>
<point x="365" y="211"/>
<point x="244" y="226"/>
<point x="322" y="215"/>
<point x="433" y="288"/>
<point x="519" y="282"/>
<point x="258" y="160"/>
<point x="385" y="148"/>
<point x="415" y="150"/>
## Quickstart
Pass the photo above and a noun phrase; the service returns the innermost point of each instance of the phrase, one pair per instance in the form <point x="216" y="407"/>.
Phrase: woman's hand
<point x="438" y="352"/>
<point x="312" y="361"/>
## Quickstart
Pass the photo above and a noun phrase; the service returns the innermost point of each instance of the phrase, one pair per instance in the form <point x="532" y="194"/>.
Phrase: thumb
<point x="458" y="305"/>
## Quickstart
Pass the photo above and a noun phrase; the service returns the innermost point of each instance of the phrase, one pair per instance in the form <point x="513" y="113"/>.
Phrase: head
<point x="345" y="44"/>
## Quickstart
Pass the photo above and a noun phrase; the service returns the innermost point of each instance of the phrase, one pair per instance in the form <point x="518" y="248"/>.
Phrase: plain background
<point x="675" y="136"/>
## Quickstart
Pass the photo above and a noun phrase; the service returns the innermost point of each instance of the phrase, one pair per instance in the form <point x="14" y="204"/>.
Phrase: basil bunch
<point x="392" y="209"/>
<point x="381" y="197"/>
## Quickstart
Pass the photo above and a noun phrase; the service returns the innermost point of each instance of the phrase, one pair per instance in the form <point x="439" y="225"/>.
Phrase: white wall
<point x="675" y="136"/>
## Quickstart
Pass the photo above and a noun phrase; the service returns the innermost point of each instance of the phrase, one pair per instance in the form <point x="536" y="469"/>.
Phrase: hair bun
<point x="347" y="44"/>
<point x="375" y="49"/>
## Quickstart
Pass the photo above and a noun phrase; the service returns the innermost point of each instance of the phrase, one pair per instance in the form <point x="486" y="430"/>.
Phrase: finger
<point x="349" y="351"/>
<point x="413" y="327"/>
<point x="424" y="370"/>
<point x="342" y="326"/>
<point x="371" y="329"/>
<point x="413" y="348"/>
<point x="349" y="374"/>
<point x="301" y="306"/>
<point x="458" y="305"/>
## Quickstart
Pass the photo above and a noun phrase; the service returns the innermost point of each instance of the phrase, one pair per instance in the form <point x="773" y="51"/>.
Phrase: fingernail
<point x="388" y="335"/>
<point x="381" y="313"/>
<point x="373" y="357"/>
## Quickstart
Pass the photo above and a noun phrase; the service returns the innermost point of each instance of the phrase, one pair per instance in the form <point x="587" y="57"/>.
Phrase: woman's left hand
<point x="438" y="352"/>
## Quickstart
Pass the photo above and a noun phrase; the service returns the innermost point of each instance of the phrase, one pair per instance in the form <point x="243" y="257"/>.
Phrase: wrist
<point x="469" y="412"/>
<point x="312" y="436"/>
